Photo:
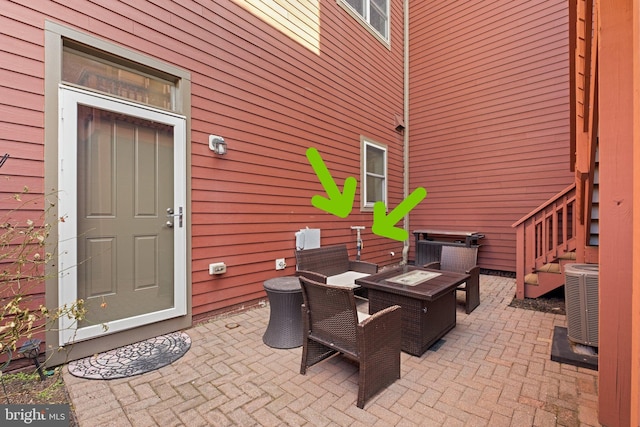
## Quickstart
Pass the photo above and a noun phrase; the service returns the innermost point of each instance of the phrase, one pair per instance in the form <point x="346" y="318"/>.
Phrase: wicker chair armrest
<point x="472" y="289"/>
<point x="435" y="265"/>
<point x="379" y="345"/>
<point x="380" y="334"/>
<point x="474" y="271"/>
<point x="312" y="275"/>
<point x="363" y="267"/>
<point x="387" y="315"/>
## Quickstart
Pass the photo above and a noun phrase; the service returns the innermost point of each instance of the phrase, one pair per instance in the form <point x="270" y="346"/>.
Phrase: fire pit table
<point x="427" y="298"/>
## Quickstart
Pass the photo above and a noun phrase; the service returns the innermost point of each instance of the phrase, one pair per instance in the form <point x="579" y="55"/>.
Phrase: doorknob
<point x="170" y="214"/>
<point x="169" y="224"/>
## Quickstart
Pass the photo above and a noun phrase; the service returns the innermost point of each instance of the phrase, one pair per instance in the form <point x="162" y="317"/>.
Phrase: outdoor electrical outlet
<point x="217" y="268"/>
<point x="280" y="264"/>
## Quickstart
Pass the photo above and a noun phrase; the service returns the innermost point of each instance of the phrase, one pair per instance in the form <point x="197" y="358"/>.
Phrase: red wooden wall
<point x="269" y="96"/>
<point x="489" y="115"/>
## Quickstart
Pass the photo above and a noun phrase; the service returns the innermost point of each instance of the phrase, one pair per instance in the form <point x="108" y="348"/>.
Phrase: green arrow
<point x="384" y="225"/>
<point x="338" y="204"/>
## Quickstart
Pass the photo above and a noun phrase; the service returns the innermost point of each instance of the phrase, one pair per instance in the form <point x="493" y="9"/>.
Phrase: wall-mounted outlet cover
<point x="217" y="268"/>
<point x="281" y="264"/>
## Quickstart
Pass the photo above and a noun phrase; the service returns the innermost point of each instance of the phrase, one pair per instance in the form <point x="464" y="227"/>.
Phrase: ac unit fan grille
<point x="581" y="303"/>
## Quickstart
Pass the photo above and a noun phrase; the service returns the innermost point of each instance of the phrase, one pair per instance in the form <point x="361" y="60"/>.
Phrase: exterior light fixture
<point x="217" y="145"/>
<point x="30" y="350"/>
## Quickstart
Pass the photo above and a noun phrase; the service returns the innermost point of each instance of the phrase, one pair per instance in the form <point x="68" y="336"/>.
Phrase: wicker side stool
<point x="285" y="319"/>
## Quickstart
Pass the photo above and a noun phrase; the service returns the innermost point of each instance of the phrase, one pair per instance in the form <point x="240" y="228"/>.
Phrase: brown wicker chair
<point x="462" y="259"/>
<point x="331" y="326"/>
<point x="331" y="264"/>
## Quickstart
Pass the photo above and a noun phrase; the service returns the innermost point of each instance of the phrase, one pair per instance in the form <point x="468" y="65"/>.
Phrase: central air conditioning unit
<point x="581" y="303"/>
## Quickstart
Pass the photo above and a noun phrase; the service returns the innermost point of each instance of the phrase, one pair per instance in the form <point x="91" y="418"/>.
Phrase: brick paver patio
<point x="493" y="369"/>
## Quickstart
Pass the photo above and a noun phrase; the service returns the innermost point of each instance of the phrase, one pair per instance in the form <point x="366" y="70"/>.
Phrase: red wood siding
<point x="489" y="115"/>
<point x="267" y="95"/>
<point x="21" y="136"/>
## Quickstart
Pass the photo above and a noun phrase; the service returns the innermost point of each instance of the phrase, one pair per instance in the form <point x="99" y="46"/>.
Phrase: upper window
<point x="374" y="173"/>
<point x="90" y="70"/>
<point x="373" y="12"/>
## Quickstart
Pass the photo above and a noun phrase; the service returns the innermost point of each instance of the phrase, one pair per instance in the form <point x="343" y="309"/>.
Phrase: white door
<point x="122" y="231"/>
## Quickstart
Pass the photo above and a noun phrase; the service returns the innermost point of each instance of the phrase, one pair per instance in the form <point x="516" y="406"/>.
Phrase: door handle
<point x="169" y="224"/>
<point x="170" y="214"/>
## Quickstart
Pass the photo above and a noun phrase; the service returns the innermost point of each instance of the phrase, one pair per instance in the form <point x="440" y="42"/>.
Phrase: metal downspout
<point x="405" y="187"/>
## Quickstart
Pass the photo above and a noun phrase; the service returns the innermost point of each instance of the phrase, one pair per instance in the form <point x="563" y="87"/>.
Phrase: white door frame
<point x="69" y="98"/>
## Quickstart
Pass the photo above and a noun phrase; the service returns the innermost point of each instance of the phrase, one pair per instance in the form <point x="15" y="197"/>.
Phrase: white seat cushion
<point x="345" y="279"/>
<point x="362" y="316"/>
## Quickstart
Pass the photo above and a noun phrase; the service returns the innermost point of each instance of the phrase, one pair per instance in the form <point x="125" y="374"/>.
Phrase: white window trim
<point x="366" y="142"/>
<point x="364" y="21"/>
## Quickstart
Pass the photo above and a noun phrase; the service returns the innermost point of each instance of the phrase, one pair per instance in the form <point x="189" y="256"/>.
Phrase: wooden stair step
<point x="552" y="267"/>
<point x="531" y="279"/>
<point x="545" y="279"/>
<point x="568" y="256"/>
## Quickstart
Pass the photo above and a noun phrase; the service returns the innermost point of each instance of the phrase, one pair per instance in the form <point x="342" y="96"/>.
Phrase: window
<point x="374" y="174"/>
<point x="90" y="70"/>
<point x="373" y="12"/>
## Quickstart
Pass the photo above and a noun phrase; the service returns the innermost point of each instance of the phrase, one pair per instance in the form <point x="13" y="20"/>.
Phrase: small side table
<point x="285" y="319"/>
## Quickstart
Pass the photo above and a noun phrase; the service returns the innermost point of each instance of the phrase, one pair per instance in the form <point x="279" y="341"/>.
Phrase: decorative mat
<point x="133" y="359"/>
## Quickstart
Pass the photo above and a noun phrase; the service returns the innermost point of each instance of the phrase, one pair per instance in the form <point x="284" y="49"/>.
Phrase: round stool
<point x="285" y="319"/>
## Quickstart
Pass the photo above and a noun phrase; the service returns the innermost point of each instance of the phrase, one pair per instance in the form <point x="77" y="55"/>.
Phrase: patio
<point x="492" y="369"/>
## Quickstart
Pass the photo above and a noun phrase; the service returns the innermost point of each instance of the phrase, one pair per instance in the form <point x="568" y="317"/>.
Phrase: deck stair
<point x="548" y="277"/>
<point x="546" y="240"/>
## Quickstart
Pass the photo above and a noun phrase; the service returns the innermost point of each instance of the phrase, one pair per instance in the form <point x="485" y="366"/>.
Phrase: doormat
<point x="132" y="359"/>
